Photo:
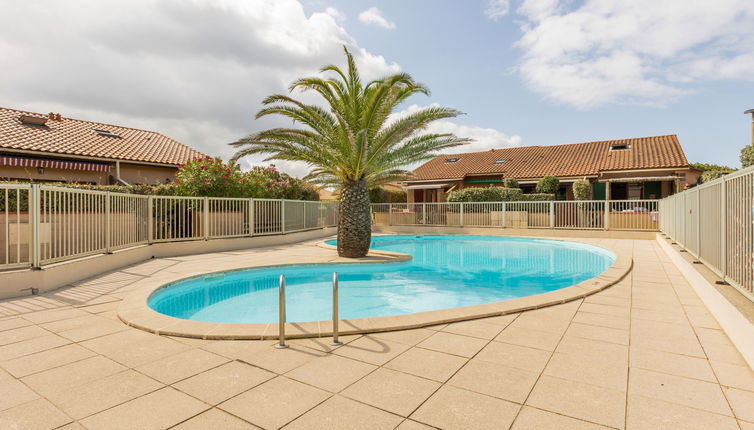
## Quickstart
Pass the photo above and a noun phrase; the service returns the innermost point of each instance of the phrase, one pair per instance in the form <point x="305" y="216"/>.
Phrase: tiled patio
<point x="643" y="354"/>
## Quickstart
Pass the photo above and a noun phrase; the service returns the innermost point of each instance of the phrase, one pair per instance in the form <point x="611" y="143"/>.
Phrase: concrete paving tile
<point x="457" y="409"/>
<point x="590" y="369"/>
<point x="536" y="419"/>
<point x="33" y="363"/>
<point x="180" y="366"/>
<point x="22" y="333"/>
<point x="96" y="396"/>
<point x="520" y="357"/>
<point x="31" y="346"/>
<point x="12" y="323"/>
<point x="502" y="320"/>
<point x="648" y="413"/>
<point x="474" y="328"/>
<point x="275" y="403"/>
<point x="708" y="336"/>
<point x="72" y="375"/>
<point x="426" y="363"/>
<point x="532" y="338"/>
<point x="35" y="415"/>
<point x="54" y="315"/>
<point x="746" y="425"/>
<point x="158" y="410"/>
<point x="413" y="425"/>
<point x="214" y="419"/>
<point x="604" y="334"/>
<point x="683" y="391"/>
<point x="732" y="375"/>
<point x="100" y="328"/>
<point x="14" y="392"/>
<point x="234" y="348"/>
<point x="450" y="343"/>
<point x="223" y="382"/>
<point x="371" y="350"/>
<point x="741" y="402"/>
<point x="674" y="364"/>
<point x="331" y="373"/>
<point x="622" y="323"/>
<point x="495" y="380"/>
<point x="280" y="360"/>
<point x="408" y="337"/>
<point x="134" y="347"/>
<point x="578" y="400"/>
<point x="611" y="352"/>
<point x="345" y="414"/>
<point x="393" y="391"/>
<point x="724" y="354"/>
<point x="598" y="308"/>
<point x="323" y="344"/>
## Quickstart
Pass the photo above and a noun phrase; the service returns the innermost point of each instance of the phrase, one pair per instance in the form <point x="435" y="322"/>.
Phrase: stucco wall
<point x="140" y="174"/>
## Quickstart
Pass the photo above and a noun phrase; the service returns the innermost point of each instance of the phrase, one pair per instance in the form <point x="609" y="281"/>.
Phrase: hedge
<point x="496" y="194"/>
<point x="381" y="195"/>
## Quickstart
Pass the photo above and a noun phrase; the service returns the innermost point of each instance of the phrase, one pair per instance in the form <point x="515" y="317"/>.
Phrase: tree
<point x="353" y="143"/>
<point x="511" y="183"/>
<point x="747" y="156"/>
<point x="581" y="189"/>
<point x="548" y="184"/>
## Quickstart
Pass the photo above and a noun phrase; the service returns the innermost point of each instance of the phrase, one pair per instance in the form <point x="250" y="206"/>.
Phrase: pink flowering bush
<point x="212" y="178"/>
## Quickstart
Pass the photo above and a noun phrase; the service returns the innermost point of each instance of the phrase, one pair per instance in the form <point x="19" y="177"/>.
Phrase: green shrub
<point x="209" y="177"/>
<point x="511" y="183"/>
<point x="269" y="183"/>
<point x="381" y="195"/>
<point x="747" y="156"/>
<point x="711" y="175"/>
<point x="536" y="197"/>
<point x="581" y="189"/>
<point x="495" y="194"/>
<point x="548" y="185"/>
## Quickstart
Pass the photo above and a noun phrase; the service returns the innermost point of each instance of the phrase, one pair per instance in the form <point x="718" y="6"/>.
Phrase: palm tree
<point x="353" y="144"/>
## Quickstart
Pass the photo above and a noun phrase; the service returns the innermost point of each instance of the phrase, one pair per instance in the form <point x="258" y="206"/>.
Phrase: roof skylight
<point x="452" y="160"/>
<point x="620" y="147"/>
<point x="106" y="133"/>
<point x="499" y="161"/>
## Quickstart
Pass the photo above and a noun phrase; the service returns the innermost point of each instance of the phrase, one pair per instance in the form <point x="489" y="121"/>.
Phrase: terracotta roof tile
<point x="572" y="160"/>
<point x="76" y="137"/>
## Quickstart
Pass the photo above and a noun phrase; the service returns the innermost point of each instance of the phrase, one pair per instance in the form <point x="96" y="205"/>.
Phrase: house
<point x="637" y="168"/>
<point x="53" y="148"/>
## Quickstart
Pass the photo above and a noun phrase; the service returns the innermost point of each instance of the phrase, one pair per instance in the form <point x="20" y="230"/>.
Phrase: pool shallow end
<point x="136" y="312"/>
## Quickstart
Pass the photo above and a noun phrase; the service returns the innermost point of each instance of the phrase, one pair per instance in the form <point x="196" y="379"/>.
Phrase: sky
<point x="526" y="72"/>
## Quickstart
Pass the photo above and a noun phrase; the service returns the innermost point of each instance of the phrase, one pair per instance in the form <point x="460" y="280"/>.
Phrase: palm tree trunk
<point x="355" y="221"/>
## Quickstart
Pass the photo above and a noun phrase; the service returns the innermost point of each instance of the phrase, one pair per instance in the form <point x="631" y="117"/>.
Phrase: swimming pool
<point x="445" y="272"/>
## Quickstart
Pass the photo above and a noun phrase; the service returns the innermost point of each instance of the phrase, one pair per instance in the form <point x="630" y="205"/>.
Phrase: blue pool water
<point x="445" y="272"/>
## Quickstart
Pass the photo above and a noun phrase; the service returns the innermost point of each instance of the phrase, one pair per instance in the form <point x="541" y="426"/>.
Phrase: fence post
<point x="462" y="208"/>
<point x="552" y="214"/>
<point x="205" y="220"/>
<point x="698" y="225"/>
<point x="607" y="214"/>
<point x="108" y="221"/>
<point x="389" y="214"/>
<point x="505" y="214"/>
<point x="150" y="220"/>
<point x="34" y="215"/>
<point x="251" y="217"/>
<point x="724" y="228"/>
<point x="282" y="216"/>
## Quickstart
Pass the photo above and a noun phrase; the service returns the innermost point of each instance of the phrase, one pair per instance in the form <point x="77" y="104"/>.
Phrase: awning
<point x="640" y="179"/>
<point x="426" y="186"/>
<point x="53" y="164"/>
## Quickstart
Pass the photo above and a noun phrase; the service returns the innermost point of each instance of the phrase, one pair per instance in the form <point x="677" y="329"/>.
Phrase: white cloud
<point x="374" y="16"/>
<point x="335" y="13"/>
<point x="497" y="9"/>
<point x="639" y="52"/>
<point x="196" y="71"/>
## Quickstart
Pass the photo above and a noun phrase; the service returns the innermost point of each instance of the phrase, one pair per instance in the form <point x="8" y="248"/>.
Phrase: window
<point x="452" y="160"/>
<point x="499" y="161"/>
<point x="620" y="147"/>
<point x="106" y="133"/>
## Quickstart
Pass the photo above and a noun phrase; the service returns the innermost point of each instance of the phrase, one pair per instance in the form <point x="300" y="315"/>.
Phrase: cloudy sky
<point x="528" y="72"/>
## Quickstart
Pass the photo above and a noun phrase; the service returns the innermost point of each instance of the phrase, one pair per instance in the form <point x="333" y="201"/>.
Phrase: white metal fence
<point x="714" y="222"/>
<point x="634" y="215"/>
<point x="44" y="224"/>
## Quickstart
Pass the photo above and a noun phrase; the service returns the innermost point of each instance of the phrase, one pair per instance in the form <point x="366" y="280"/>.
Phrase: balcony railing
<point x="44" y="224"/>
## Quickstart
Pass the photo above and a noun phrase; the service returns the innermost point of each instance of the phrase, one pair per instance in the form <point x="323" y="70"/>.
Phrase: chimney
<point x="58" y="117"/>
<point x="51" y="115"/>
<point x="751" y="111"/>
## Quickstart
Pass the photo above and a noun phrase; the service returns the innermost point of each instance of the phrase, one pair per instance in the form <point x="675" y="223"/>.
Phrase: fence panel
<point x="710" y="226"/>
<point x="739" y="238"/>
<point x="15" y="236"/>
<point x="268" y="216"/>
<point x="72" y="223"/>
<point x="580" y="214"/>
<point x="294" y="215"/>
<point x="484" y="214"/>
<point x="633" y="215"/>
<point x="227" y="217"/>
<point x="178" y="218"/>
<point x="128" y="220"/>
<point x="527" y="215"/>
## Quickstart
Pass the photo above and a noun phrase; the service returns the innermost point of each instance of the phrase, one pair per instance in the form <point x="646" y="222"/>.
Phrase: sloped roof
<point x="77" y="137"/>
<point x="577" y="159"/>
